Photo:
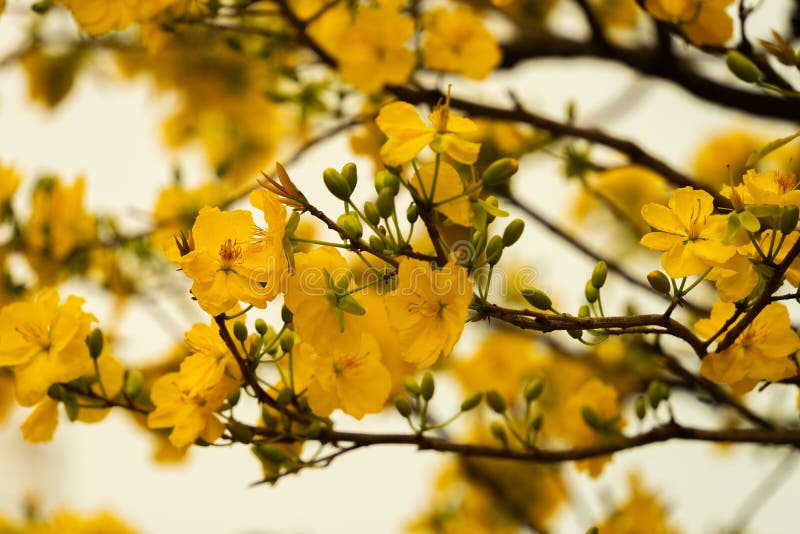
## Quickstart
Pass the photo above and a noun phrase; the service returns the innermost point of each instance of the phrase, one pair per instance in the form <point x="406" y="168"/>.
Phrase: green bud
<point x="412" y="213"/>
<point x="657" y="392"/>
<point x="498" y="432"/>
<point x="261" y="326"/>
<point x="534" y="389"/>
<point x="411" y="386"/>
<point x="377" y="244"/>
<point x="133" y="382"/>
<point x="286" y="314"/>
<point x="240" y="432"/>
<point x="537" y="298"/>
<point x="575" y="334"/>
<point x="56" y="392"/>
<point x="40" y="8"/>
<point x="350" y="305"/>
<point x="584" y="311"/>
<point x="537" y="421"/>
<point x="71" y="407"/>
<point x="387" y="180"/>
<point x="494" y="203"/>
<point x="590" y="292"/>
<point x="351" y="225"/>
<point x="287" y="341"/>
<point x="593" y="530"/>
<point x="513" y="232"/>
<point x="270" y="453"/>
<point x="95" y="343"/>
<point x="240" y="330"/>
<point x="233" y="398"/>
<point x="385" y="203"/>
<point x="471" y="402"/>
<point x="496" y="401"/>
<point x="659" y="282"/>
<point x="427" y="386"/>
<point x="742" y="67"/>
<point x="789" y="219"/>
<point x="494" y="250"/>
<point x="640" y="407"/>
<point x="402" y="406"/>
<point x="314" y="430"/>
<point x="591" y="418"/>
<point x="284" y="398"/>
<point x="371" y="213"/>
<point x="336" y="184"/>
<point x="498" y="172"/>
<point x="599" y="274"/>
<point x="478" y="242"/>
<point x="350" y="175"/>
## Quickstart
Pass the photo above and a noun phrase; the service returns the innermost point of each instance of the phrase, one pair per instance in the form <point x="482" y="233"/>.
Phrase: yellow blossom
<point x="727" y="150"/>
<point x="601" y="398"/>
<point x="209" y="362"/>
<point x="44" y="343"/>
<point x="772" y="188"/>
<point x="705" y="22"/>
<point x="348" y="376"/>
<point x="227" y="264"/>
<point x="63" y="522"/>
<point x="112" y="375"/>
<point x="761" y="352"/>
<point x="688" y="234"/>
<point x="272" y="239"/>
<point x="457" y="41"/>
<point x="9" y="181"/>
<point x="96" y="17"/>
<point x="448" y="185"/>
<point x="189" y="416"/>
<point x="428" y="309"/>
<point x="41" y="423"/>
<point x="408" y="134"/>
<point x="642" y="508"/>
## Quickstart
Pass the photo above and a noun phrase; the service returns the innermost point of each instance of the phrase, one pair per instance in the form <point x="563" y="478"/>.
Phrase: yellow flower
<point x="428" y="309"/>
<point x="189" y="416"/>
<point x="227" y="264"/>
<point x="63" y="522"/>
<point x="112" y="374"/>
<point x="9" y="181"/>
<point x="642" y="508"/>
<point x="348" y="376"/>
<point x="601" y="398"/>
<point x="735" y="279"/>
<point x="725" y="150"/>
<point x="58" y="226"/>
<point x="448" y="185"/>
<point x="318" y="319"/>
<point x="176" y="210"/>
<point x="370" y="50"/>
<point x="761" y="352"/>
<point x="209" y="362"/>
<point x="96" y="17"/>
<point x="271" y="238"/>
<point x="408" y="134"/>
<point x="688" y="234"/>
<point x="6" y="393"/>
<point x="705" y="22"/>
<point x="44" y="343"/>
<point x="772" y="188"/>
<point x="457" y="41"/>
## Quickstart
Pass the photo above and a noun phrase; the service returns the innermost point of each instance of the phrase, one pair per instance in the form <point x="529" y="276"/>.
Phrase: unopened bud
<point x="742" y="67"/>
<point x="351" y="225"/>
<point x="402" y="406"/>
<point x="513" y="232"/>
<point x="240" y="330"/>
<point x="313" y="430"/>
<point x="286" y="314"/>
<point x="411" y="386"/>
<point x="496" y="401"/>
<point x="240" y="432"/>
<point x="599" y="274"/>
<point x="591" y="418"/>
<point x="377" y="244"/>
<point x="494" y="250"/>
<point x="590" y="292"/>
<point x="471" y="402"/>
<point x="537" y="298"/>
<point x="537" y="421"/>
<point x="534" y="389"/>
<point x="350" y="175"/>
<point x="659" y="282"/>
<point x="412" y="213"/>
<point x="287" y="341"/>
<point x="385" y="203"/>
<point x="133" y="383"/>
<point x="498" y="432"/>
<point x="336" y="184"/>
<point x="640" y="407"/>
<point x="95" y="343"/>
<point x="284" y="398"/>
<point x="387" y="180"/>
<point x="584" y="311"/>
<point x="789" y="219"/>
<point x="427" y="386"/>
<point x="498" y="172"/>
<point x="371" y="213"/>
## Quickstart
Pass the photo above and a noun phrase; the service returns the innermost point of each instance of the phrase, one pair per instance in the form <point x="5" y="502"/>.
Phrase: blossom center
<point x="229" y="254"/>
<point x="36" y="334"/>
<point x="785" y="183"/>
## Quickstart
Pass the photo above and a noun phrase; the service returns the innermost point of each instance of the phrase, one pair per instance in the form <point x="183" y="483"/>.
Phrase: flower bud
<point x="411" y="386"/>
<point x="287" y="341"/>
<point x="494" y="250"/>
<point x="133" y="383"/>
<point x="499" y="171"/>
<point x="591" y="418"/>
<point x="789" y="219"/>
<point x="402" y="406"/>
<point x="471" y="402"/>
<point x="350" y="175"/>
<point x="584" y="311"/>
<point x="377" y="244"/>
<point x="284" y="398"/>
<point x="537" y="298"/>
<point x="640" y="407"/>
<point x="240" y="432"/>
<point x="313" y="430"/>
<point x="496" y="401"/>
<point x="269" y="453"/>
<point x="261" y="326"/>
<point x="412" y="213"/>
<point x="95" y="343"/>
<point x="590" y="292"/>
<point x="286" y="314"/>
<point x="427" y="386"/>
<point x="593" y="530"/>
<point x="498" y="432"/>
<point x="599" y="274"/>
<point x="385" y="203"/>
<point x="534" y="389"/>
<point x="575" y="334"/>
<point x="513" y="232"/>
<point x="659" y="282"/>
<point x="537" y="421"/>
<point x="56" y="392"/>
<point x="387" y="180"/>
<point x="742" y="67"/>
<point x="351" y="225"/>
<point x="657" y="392"/>
<point x="233" y="398"/>
<point x="371" y="213"/>
<point x="240" y="330"/>
<point x="336" y="184"/>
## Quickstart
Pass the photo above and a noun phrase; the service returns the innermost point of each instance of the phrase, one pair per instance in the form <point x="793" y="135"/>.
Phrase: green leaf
<point x="491" y="210"/>
<point x="733" y="226"/>
<point x="749" y="221"/>
<point x="758" y="155"/>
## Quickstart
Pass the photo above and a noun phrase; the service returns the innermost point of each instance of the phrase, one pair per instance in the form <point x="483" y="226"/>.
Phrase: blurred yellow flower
<point x="705" y="22"/>
<point x="448" y="185"/>
<point x="457" y="41"/>
<point x="642" y="508"/>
